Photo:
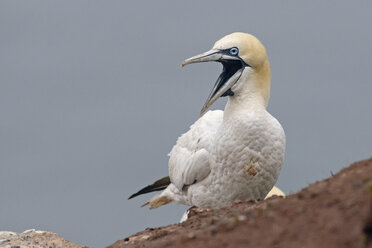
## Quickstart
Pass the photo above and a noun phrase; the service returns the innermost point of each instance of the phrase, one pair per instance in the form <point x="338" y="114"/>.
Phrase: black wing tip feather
<point x="156" y="186"/>
<point x="134" y="195"/>
<point x="145" y="190"/>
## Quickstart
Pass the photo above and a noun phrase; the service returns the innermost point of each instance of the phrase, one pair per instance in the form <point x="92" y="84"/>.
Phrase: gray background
<point x="92" y="99"/>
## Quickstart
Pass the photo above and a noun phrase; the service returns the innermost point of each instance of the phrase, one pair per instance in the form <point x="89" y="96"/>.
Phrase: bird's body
<point x="240" y="158"/>
<point x="233" y="154"/>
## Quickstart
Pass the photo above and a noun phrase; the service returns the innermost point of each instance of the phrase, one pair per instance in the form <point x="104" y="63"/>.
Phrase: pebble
<point x="242" y="218"/>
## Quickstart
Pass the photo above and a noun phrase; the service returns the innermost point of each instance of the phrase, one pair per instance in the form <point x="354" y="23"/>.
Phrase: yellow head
<point x="245" y="67"/>
<point x="250" y="48"/>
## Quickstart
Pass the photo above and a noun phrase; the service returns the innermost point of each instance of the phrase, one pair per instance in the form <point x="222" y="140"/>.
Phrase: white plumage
<point x="233" y="154"/>
<point x="235" y="159"/>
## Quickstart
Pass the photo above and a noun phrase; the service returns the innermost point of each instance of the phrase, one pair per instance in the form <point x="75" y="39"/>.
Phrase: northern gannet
<point x="233" y="154"/>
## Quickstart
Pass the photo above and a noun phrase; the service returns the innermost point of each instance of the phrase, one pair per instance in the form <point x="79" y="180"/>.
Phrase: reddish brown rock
<point x="336" y="212"/>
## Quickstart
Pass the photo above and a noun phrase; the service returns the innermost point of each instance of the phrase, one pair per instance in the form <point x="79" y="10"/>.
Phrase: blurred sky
<point x="92" y="99"/>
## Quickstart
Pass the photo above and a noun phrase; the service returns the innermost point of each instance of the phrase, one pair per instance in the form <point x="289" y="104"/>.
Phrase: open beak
<point x="233" y="68"/>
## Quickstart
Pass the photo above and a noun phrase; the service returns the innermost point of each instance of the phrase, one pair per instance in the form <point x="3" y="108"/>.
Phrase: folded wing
<point x="189" y="161"/>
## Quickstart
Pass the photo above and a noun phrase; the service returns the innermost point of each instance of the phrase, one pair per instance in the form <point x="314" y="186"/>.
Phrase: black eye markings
<point x="234" y="51"/>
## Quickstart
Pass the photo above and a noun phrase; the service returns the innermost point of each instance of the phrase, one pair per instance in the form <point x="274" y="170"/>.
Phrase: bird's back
<point x="201" y="134"/>
<point x="189" y="158"/>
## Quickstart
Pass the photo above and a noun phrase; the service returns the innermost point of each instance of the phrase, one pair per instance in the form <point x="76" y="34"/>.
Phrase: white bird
<point x="233" y="154"/>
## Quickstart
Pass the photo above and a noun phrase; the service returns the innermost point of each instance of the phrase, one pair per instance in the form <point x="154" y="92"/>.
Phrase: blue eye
<point x="234" y="51"/>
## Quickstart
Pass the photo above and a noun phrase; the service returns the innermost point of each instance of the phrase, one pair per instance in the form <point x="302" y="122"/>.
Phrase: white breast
<point x="227" y="160"/>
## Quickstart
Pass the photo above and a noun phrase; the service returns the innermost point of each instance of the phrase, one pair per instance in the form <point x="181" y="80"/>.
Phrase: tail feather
<point x="158" y="201"/>
<point x="156" y="186"/>
<point x="275" y="191"/>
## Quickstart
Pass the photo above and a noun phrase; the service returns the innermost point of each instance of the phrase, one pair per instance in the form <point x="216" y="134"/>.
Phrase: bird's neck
<point x="251" y="92"/>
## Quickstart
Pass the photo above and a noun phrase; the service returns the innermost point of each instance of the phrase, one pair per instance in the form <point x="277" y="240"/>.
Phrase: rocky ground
<point x="336" y="212"/>
<point x="34" y="239"/>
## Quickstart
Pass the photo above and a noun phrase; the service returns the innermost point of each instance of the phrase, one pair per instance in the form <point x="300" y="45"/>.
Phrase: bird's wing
<point x="190" y="157"/>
